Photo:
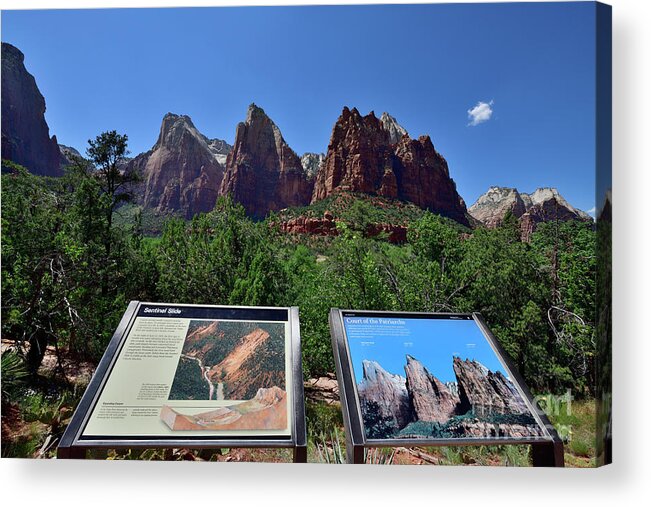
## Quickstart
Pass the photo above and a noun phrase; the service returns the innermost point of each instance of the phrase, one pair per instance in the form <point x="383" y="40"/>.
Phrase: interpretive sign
<point x="432" y="379"/>
<point x="195" y="376"/>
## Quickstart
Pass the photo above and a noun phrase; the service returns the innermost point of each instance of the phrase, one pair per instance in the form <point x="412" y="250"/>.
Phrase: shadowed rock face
<point x="68" y="153"/>
<point x="25" y="134"/>
<point x="262" y="172"/>
<point x="387" y="390"/>
<point x="545" y="204"/>
<point x="182" y="172"/>
<point x="485" y="392"/>
<point x="376" y="156"/>
<point x="431" y="399"/>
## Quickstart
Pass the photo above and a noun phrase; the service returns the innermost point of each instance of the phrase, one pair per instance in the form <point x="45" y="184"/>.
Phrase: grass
<point x="576" y="424"/>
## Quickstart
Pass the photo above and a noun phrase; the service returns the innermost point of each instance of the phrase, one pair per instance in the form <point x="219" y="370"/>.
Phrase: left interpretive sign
<point x="188" y="374"/>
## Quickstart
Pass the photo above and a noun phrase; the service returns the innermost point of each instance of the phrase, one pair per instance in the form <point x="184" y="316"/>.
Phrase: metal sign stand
<point x="72" y="446"/>
<point x="545" y="452"/>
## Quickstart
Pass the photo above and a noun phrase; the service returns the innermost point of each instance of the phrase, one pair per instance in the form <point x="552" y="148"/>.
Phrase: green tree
<point x="107" y="154"/>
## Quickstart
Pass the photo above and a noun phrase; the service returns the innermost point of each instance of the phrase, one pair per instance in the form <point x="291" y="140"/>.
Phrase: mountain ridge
<point x="542" y="205"/>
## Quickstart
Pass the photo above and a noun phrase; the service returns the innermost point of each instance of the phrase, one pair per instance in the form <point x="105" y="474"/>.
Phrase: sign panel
<point x="198" y="372"/>
<point x="433" y="377"/>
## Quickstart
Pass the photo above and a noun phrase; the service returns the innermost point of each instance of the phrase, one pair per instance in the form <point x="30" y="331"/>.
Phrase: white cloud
<point x="480" y="113"/>
<point x="591" y="211"/>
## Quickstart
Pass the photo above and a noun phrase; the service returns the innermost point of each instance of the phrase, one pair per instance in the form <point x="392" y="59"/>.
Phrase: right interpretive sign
<point x="434" y="377"/>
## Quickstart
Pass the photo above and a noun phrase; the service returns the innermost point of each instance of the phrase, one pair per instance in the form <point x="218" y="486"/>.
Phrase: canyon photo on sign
<point x="223" y="360"/>
<point x="433" y="378"/>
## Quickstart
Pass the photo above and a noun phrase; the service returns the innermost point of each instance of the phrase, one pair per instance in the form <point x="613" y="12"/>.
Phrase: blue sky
<point x="433" y="342"/>
<point x="531" y="65"/>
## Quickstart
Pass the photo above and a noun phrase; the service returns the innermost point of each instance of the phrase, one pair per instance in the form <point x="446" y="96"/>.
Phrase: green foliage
<point x="330" y="447"/>
<point x="321" y="418"/>
<point x="506" y="455"/>
<point x="14" y="374"/>
<point x="379" y="456"/>
<point x="359" y="209"/>
<point x="376" y="425"/>
<point x="61" y="250"/>
<point x="188" y="383"/>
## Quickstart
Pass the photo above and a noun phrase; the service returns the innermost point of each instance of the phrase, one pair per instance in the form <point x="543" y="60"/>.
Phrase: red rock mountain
<point x="377" y="156"/>
<point x="183" y="170"/>
<point x="262" y="172"/>
<point x="25" y="134"/>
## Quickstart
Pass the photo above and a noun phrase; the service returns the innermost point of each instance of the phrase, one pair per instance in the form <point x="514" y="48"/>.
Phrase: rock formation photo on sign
<point x="479" y="404"/>
<point x="230" y="361"/>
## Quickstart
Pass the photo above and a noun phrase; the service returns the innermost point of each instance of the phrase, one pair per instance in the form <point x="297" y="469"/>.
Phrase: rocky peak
<point x="485" y="392"/>
<point x="431" y="399"/>
<point x="25" y="134"/>
<point x="492" y="207"/>
<point x="182" y="172"/>
<point x="178" y="129"/>
<point x="391" y="125"/>
<point x="67" y="155"/>
<point x="542" y="205"/>
<point x="68" y="151"/>
<point x="386" y="390"/>
<point x="173" y="128"/>
<point x="362" y="158"/>
<point x="220" y="149"/>
<point x="269" y="395"/>
<point x="541" y="196"/>
<point x="262" y="172"/>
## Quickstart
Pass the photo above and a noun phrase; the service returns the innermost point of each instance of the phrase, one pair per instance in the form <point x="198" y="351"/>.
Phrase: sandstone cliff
<point x="25" y="134"/>
<point x="262" y="172"/>
<point x="391" y="125"/>
<point x="377" y="157"/>
<point x="183" y="170"/>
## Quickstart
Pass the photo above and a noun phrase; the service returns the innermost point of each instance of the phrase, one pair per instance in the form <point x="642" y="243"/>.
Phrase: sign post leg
<point x="548" y="454"/>
<point x="300" y="454"/>
<point x="71" y="453"/>
<point x="355" y="454"/>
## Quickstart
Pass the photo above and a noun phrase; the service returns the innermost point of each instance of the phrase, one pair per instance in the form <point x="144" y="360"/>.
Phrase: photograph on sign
<point x="187" y="374"/>
<point x="433" y="378"/>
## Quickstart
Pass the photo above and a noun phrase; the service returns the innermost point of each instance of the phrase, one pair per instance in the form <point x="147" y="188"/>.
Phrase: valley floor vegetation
<point x="70" y="266"/>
